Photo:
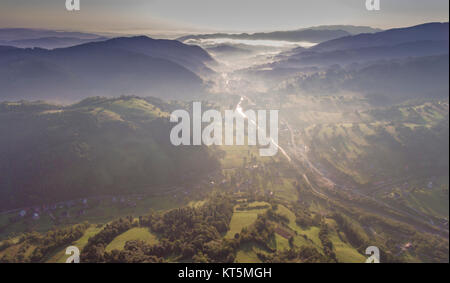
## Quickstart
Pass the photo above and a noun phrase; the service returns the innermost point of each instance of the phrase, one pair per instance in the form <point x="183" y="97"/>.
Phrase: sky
<point x="167" y="17"/>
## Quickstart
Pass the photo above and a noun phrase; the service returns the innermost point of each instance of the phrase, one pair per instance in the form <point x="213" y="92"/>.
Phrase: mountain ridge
<point x="428" y="31"/>
<point x="137" y="65"/>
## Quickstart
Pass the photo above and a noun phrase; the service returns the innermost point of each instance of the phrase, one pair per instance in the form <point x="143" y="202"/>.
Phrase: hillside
<point x="191" y="57"/>
<point x="428" y="32"/>
<point x="42" y="38"/>
<point x="383" y="81"/>
<point x="230" y="227"/>
<point x="48" y="42"/>
<point x="96" y="147"/>
<point x="123" y="66"/>
<point x="422" y="40"/>
<point x="11" y="34"/>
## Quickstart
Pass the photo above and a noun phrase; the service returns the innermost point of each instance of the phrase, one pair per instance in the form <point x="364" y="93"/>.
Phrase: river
<point x="241" y="111"/>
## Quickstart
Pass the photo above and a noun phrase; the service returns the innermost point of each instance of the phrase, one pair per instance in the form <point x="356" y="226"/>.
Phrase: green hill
<point x="96" y="147"/>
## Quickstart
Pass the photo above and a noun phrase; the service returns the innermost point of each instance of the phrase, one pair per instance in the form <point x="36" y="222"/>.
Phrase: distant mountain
<point x="191" y="57"/>
<point x="428" y="31"/>
<point x="12" y="34"/>
<point x="48" y="39"/>
<point x="312" y="34"/>
<point x="98" y="146"/>
<point x="136" y="65"/>
<point x="382" y="81"/>
<point x="348" y="56"/>
<point x="49" y="42"/>
<point x="422" y="40"/>
<point x="353" y="30"/>
<point x="309" y="35"/>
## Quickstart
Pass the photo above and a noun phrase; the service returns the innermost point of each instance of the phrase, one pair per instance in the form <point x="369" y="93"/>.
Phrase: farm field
<point x="60" y="256"/>
<point x="97" y="213"/>
<point x="245" y="218"/>
<point x="138" y="233"/>
<point x="248" y="253"/>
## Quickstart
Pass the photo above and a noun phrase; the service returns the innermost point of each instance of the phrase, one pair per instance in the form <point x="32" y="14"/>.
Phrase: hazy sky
<point x="180" y="16"/>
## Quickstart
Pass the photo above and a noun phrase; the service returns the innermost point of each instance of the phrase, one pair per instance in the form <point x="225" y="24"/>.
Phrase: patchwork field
<point x="142" y="234"/>
<point x="236" y="156"/>
<point x="245" y="218"/>
<point x="60" y="256"/>
<point x="95" y="213"/>
<point x="248" y="253"/>
<point x="344" y="251"/>
<point x="307" y="236"/>
<point x="310" y="237"/>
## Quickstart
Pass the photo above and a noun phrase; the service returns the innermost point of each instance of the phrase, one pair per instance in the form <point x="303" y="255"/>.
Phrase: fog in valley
<point x="362" y="150"/>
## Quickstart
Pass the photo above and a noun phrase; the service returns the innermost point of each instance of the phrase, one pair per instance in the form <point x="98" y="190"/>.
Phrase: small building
<point x="36" y="216"/>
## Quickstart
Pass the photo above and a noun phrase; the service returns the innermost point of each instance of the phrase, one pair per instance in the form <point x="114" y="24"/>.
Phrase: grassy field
<point x="236" y="155"/>
<point x="137" y="107"/>
<point x="247" y="253"/>
<point x="137" y="233"/>
<point x="370" y="144"/>
<point x="285" y="190"/>
<point x="60" y="256"/>
<point x="416" y="195"/>
<point x="311" y="233"/>
<point x="344" y="251"/>
<point x="57" y="256"/>
<point x="241" y="219"/>
<point x="430" y="201"/>
<point x="281" y="243"/>
<point x="11" y="251"/>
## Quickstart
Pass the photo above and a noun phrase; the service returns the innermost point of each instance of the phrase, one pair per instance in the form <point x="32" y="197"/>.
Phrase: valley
<point x="362" y="151"/>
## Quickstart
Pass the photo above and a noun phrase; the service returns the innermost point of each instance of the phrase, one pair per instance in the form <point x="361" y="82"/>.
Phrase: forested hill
<point x="125" y="66"/>
<point x="98" y="146"/>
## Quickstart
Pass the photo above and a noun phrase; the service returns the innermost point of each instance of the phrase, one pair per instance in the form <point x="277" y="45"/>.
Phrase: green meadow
<point x="244" y="218"/>
<point x="142" y="234"/>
